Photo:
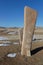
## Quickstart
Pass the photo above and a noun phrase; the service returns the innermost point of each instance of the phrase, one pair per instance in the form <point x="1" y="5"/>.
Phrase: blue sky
<point x="12" y="12"/>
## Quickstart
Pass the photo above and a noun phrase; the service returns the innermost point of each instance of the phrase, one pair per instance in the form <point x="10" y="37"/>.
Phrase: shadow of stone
<point x="36" y="50"/>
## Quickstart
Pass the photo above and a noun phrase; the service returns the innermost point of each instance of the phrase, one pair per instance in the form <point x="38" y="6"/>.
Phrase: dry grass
<point x="8" y="49"/>
<point x="36" y="51"/>
<point x="35" y="59"/>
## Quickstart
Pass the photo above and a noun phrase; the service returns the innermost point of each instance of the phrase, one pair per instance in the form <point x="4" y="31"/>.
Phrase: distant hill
<point x="37" y="29"/>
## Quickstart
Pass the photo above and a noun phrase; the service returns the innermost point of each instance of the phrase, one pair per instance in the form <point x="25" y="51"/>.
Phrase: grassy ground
<point x="36" y="51"/>
<point x="35" y="59"/>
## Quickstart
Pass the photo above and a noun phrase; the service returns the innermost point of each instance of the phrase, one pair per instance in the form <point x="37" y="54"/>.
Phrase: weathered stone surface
<point x="29" y="24"/>
<point x="20" y="35"/>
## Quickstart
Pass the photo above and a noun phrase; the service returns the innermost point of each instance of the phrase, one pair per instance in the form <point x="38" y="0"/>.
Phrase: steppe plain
<point x="10" y="43"/>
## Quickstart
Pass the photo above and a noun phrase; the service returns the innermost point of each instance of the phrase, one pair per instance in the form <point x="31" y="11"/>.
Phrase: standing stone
<point x="20" y="35"/>
<point x="29" y="25"/>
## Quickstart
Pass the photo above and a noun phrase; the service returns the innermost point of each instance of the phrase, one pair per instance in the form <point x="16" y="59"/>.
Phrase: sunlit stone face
<point x="29" y="24"/>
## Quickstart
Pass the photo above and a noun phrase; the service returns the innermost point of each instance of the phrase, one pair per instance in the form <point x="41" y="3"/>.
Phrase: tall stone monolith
<point x="29" y="25"/>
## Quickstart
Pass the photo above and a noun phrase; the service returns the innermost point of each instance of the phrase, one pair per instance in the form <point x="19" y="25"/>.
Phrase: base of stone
<point x="27" y="54"/>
